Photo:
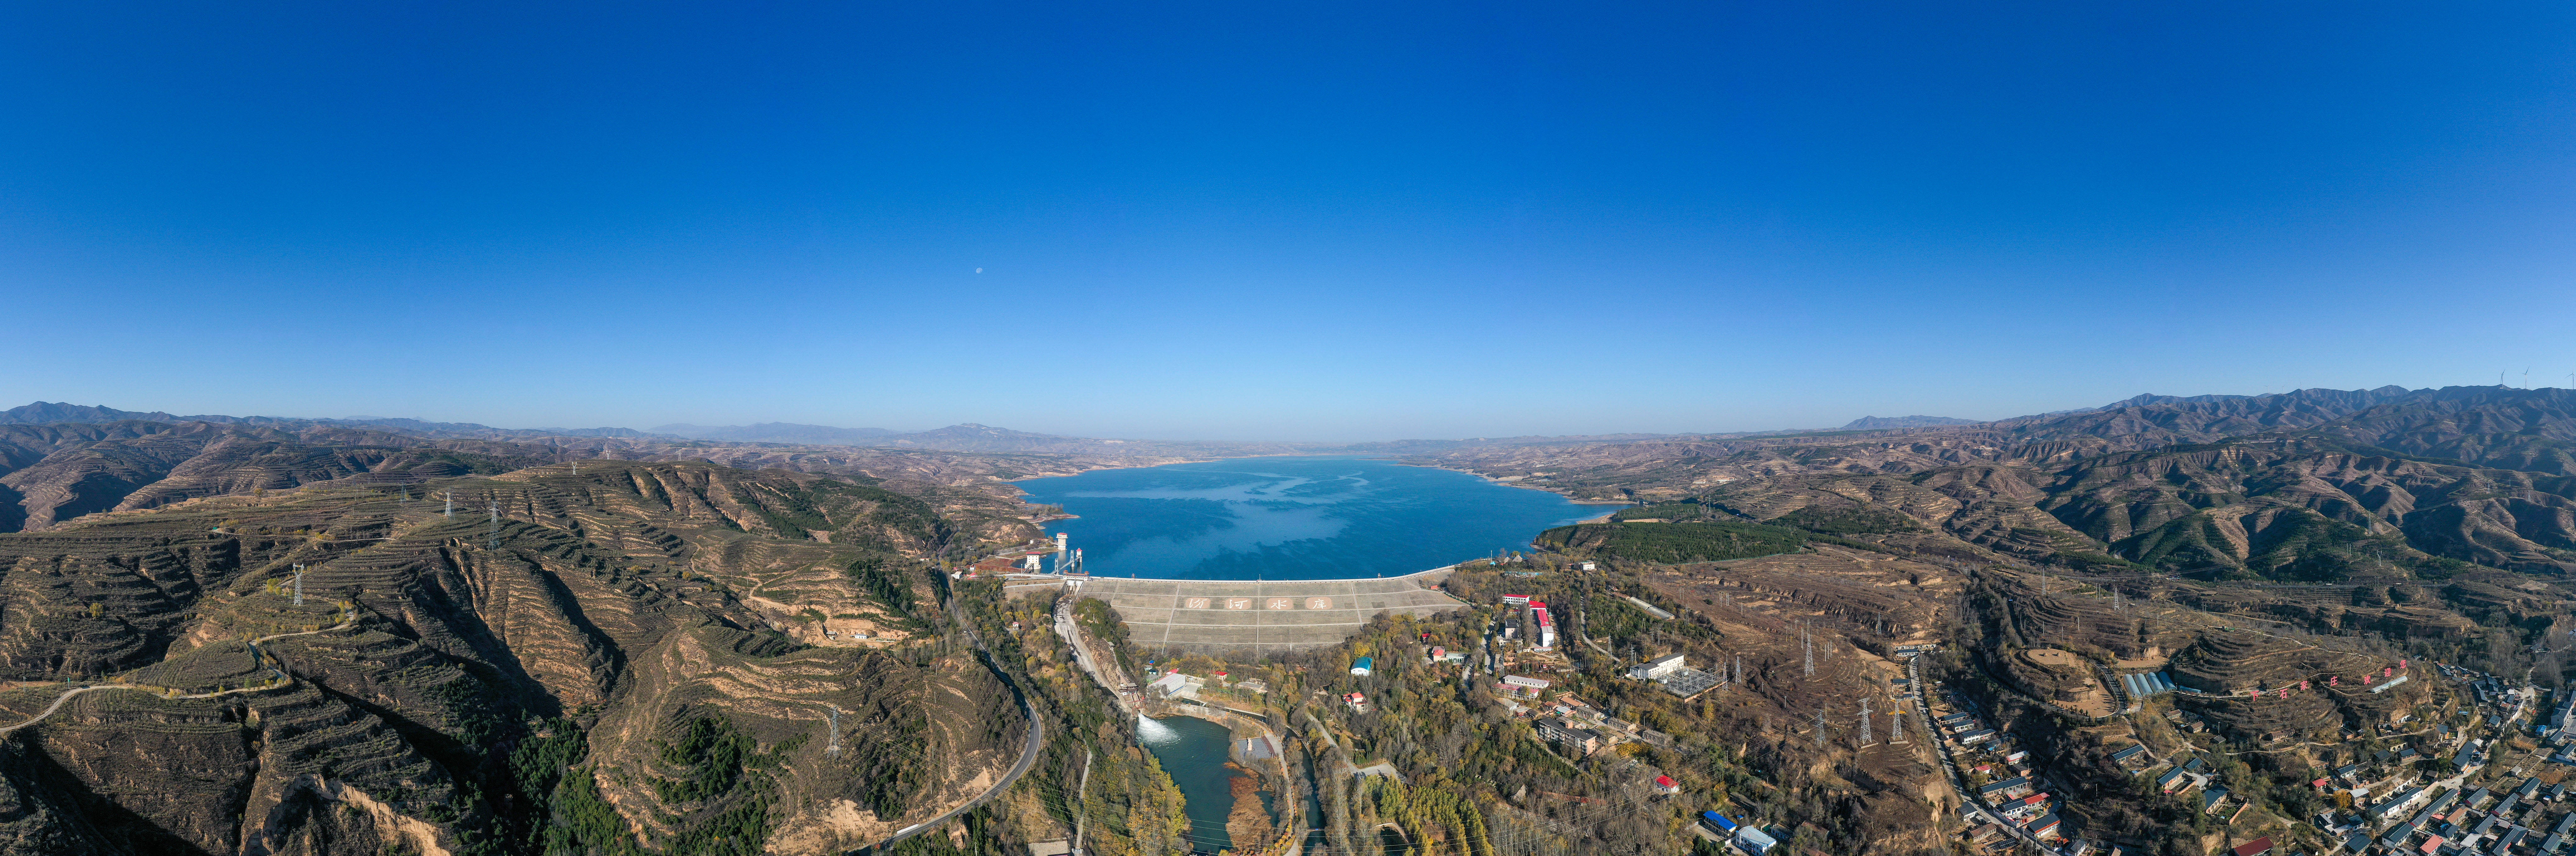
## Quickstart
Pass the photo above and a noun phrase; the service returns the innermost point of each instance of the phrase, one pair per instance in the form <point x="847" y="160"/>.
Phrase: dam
<point x="1240" y="618"/>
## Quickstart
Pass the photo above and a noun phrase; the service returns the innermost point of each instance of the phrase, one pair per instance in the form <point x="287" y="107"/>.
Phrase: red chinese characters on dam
<point x="1239" y="603"/>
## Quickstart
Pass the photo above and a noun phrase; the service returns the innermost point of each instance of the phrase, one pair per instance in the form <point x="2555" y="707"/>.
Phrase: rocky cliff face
<point x="645" y="653"/>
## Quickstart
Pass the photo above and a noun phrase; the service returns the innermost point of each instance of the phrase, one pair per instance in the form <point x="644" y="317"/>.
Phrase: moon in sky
<point x="979" y="270"/>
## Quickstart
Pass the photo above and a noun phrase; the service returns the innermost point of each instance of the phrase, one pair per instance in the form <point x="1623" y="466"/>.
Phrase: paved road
<point x="254" y="646"/>
<point x="1958" y="783"/>
<point x="1028" y="754"/>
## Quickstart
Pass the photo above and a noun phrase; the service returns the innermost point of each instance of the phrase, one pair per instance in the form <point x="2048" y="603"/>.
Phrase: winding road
<point x="1028" y="754"/>
<point x="254" y="647"/>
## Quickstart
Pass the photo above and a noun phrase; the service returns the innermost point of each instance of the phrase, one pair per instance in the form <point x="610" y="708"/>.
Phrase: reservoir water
<point x="1193" y="752"/>
<point x="1294" y="518"/>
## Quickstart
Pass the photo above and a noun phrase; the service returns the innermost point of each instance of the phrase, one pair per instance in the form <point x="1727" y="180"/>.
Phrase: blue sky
<point x="1306" y="222"/>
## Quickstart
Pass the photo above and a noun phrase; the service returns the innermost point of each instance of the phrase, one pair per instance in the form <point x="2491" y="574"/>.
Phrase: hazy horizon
<point x="1366" y="222"/>
<point x="1172" y="437"/>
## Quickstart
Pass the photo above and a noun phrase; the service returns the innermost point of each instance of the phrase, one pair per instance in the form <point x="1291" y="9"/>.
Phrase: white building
<point x="1177" y="685"/>
<point x="1657" y="668"/>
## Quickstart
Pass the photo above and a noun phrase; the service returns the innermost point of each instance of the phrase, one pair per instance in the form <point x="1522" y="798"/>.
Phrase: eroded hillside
<point x="642" y="653"/>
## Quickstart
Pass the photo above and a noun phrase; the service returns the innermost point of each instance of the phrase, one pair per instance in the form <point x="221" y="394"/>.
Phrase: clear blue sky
<point x="1293" y="222"/>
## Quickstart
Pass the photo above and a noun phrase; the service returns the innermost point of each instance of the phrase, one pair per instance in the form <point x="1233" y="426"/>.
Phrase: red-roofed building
<point x="2256" y="847"/>
<point x="1666" y="785"/>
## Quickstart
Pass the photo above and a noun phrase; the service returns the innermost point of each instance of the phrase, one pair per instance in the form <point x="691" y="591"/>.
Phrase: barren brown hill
<point x="639" y="649"/>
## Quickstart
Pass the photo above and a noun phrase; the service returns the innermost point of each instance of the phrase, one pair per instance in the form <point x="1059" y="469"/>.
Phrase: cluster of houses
<point x="2525" y="820"/>
<point x="1575" y="727"/>
<point x="2011" y="788"/>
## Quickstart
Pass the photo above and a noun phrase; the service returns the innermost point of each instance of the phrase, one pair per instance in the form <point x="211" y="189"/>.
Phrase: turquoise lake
<point x="1294" y="518"/>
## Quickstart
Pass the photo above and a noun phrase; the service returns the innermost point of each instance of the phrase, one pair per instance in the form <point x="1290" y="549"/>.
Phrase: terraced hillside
<point x="686" y="657"/>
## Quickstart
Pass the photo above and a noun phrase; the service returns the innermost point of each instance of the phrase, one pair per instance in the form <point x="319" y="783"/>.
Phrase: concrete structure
<point x="1574" y="738"/>
<point x="1751" y="840"/>
<point x="1657" y="667"/>
<point x="1541" y="627"/>
<point x="1227" y="618"/>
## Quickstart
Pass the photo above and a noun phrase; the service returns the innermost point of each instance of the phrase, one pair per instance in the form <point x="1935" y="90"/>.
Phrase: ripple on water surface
<point x="1293" y="518"/>
<point x="1193" y="752"/>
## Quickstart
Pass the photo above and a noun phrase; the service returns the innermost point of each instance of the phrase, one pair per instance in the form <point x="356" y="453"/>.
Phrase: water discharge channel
<point x="1193" y="752"/>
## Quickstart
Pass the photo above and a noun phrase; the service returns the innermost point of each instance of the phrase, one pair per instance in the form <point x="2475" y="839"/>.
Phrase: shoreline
<point x="1040" y="521"/>
<point x="1496" y="481"/>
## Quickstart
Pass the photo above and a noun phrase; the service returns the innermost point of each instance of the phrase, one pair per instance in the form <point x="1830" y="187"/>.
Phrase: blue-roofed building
<point x="1361" y="665"/>
<point x="2171" y="781"/>
<point x="2043" y="827"/>
<point x="2123" y="756"/>
<point x="2209" y="799"/>
<point x="2357" y="842"/>
<point x="2012" y="787"/>
<point x="1718" y="823"/>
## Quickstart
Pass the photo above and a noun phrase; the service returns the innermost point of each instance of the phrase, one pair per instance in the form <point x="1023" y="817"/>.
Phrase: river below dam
<point x="1193" y="752"/>
<point x="1294" y="518"/>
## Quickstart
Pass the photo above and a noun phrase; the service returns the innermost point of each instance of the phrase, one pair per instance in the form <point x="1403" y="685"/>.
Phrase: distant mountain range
<point x="777" y="432"/>
<point x="1871" y="423"/>
<point x="46" y="412"/>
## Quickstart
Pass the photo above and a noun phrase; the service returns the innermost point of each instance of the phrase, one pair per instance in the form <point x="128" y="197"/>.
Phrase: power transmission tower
<point x="1809" y="640"/>
<point x="1820" y="726"/>
<point x="1896" y="726"/>
<point x="451" y="503"/>
<point x="493" y="540"/>
<point x="299" y="585"/>
<point x="1864" y="721"/>
<point x="835" y="747"/>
